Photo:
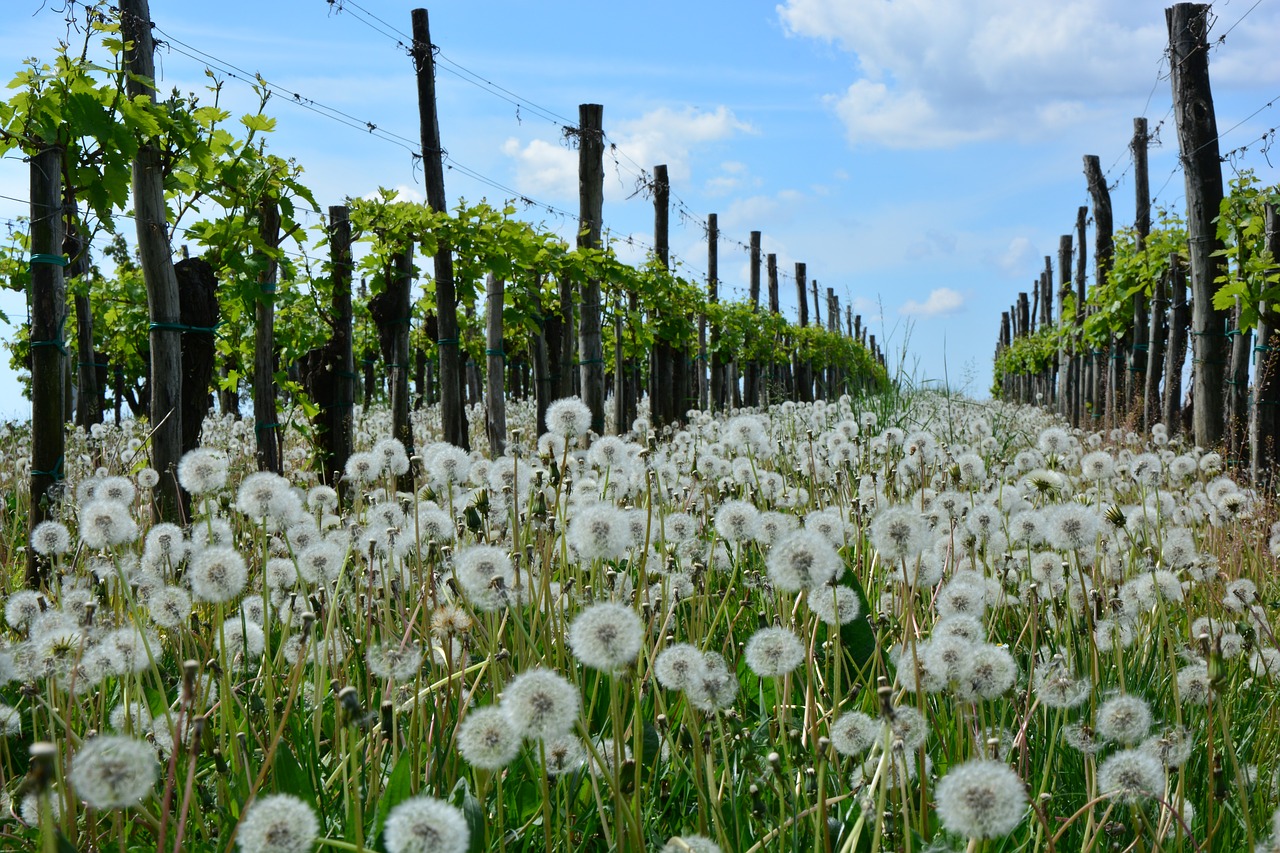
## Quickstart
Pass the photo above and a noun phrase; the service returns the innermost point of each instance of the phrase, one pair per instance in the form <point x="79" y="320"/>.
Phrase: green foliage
<point x="1249" y="274"/>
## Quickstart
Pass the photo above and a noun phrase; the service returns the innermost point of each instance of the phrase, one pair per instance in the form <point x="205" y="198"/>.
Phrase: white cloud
<point x="1017" y="258"/>
<point x="662" y="136"/>
<point x="936" y="73"/>
<point x="941" y="301"/>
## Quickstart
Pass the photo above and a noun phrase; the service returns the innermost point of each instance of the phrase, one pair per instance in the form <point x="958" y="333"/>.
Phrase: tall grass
<point x="1034" y="640"/>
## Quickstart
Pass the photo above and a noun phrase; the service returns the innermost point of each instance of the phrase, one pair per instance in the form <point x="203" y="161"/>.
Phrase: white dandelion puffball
<point x="1123" y="719"/>
<point x="541" y="703"/>
<point x="487" y="739"/>
<point x="898" y="533"/>
<point x="217" y="574"/>
<point x="426" y="825"/>
<point x="568" y="417"/>
<point x="802" y="559"/>
<point x="773" y="652"/>
<point x="278" y="823"/>
<point x="114" y="771"/>
<point x="854" y="733"/>
<point x="201" y="471"/>
<point x="1131" y="775"/>
<point x="981" y="799"/>
<point x="606" y="636"/>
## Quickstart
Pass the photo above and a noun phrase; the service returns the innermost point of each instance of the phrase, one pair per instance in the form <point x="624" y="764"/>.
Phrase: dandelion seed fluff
<point x="106" y="523"/>
<point x="114" y="771"/>
<point x="568" y="417"/>
<point x="278" y="823"/>
<point x="1131" y="776"/>
<point x="834" y="605"/>
<point x="217" y="574"/>
<point x="898" y="533"/>
<point x="715" y="687"/>
<point x="21" y="607"/>
<point x="202" y="471"/>
<point x="981" y="799"/>
<point x="50" y="538"/>
<point x="801" y="560"/>
<point x="606" y="636"/>
<point x="486" y="738"/>
<point x="599" y="531"/>
<point x="541" y="704"/>
<point x="774" y="652"/>
<point x="678" y="665"/>
<point x="737" y="521"/>
<point x="1123" y="719"/>
<point x="394" y="660"/>
<point x="563" y="754"/>
<point x="854" y="733"/>
<point x="690" y="844"/>
<point x="424" y="824"/>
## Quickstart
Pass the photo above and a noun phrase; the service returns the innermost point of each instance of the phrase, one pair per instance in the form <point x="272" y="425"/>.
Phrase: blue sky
<point x="920" y="156"/>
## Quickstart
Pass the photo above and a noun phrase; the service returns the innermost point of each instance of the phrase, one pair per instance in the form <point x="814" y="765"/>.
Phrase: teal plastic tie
<point x="56" y="473"/>
<point x="54" y="260"/>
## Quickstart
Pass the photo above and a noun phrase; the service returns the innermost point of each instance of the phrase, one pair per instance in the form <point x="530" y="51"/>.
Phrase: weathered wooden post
<point x="495" y="405"/>
<point x="265" y="426"/>
<point x="1197" y="125"/>
<point x="1156" y="332"/>
<point x="752" y="390"/>
<point x="1179" y="319"/>
<point x="1104" y="247"/>
<point x="48" y="352"/>
<point x="590" y="215"/>
<point x="452" y="412"/>
<point x="1082" y="360"/>
<point x="803" y="370"/>
<point x="716" y="391"/>
<point x="1066" y="381"/>
<point x="1136" y="380"/>
<point x="150" y="216"/>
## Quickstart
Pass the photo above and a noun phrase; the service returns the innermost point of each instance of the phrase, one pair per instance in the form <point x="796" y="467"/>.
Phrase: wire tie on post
<point x="54" y="260"/>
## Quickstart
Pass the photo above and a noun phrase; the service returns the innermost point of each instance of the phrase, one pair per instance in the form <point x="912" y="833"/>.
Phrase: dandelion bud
<point x="220" y="763"/>
<point x="388" y="720"/>
<point x="349" y="700"/>
<point x="41" y="771"/>
<point x="775" y="762"/>
<point x="189" y="668"/>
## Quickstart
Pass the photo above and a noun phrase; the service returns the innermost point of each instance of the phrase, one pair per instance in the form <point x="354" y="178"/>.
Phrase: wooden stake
<point x="452" y="412"/>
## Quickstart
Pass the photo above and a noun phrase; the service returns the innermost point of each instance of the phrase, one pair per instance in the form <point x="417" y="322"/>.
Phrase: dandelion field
<point x="917" y="624"/>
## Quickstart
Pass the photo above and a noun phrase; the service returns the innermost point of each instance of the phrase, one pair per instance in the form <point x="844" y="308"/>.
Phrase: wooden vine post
<point x="399" y="291"/>
<point x="1157" y="330"/>
<point x="1104" y="246"/>
<point x="48" y="352"/>
<point x="664" y="389"/>
<point x="157" y="271"/>
<point x="590" y="217"/>
<point x="495" y="400"/>
<point x="1175" y="356"/>
<point x="715" y="399"/>
<point x="752" y="389"/>
<point x="804" y="371"/>
<point x="452" y="413"/>
<point x="1197" y="125"/>
<point x="1264" y="423"/>
<point x="1137" y="378"/>
<point x="1066" y="380"/>
<point x="331" y="371"/>
<point x="89" y="370"/>
<point x="266" y="430"/>
<point x="775" y="367"/>
<point x="1083" y="359"/>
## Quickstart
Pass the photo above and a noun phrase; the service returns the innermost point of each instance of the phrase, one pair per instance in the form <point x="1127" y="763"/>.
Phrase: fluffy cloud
<point x="936" y="73"/>
<point x="941" y="302"/>
<point x="663" y="135"/>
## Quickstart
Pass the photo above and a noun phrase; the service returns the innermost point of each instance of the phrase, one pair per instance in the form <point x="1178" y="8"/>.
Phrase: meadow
<point x="887" y="623"/>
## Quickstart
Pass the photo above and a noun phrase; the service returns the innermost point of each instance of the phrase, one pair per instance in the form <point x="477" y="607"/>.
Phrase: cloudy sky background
<point x="920" y="156"/>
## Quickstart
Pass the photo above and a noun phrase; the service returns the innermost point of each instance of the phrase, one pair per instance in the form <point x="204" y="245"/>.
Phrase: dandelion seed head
<point x="803" y="559"/>
<point x="678" y="665"/>
<point x="981" y="799"/>
<point x="202" y="471"/>
<point x="853" y="733"/>
<point x="217" y="574"/>
<point x="486" y="738"/>
<point x="278" y="823"/>
<point x="599" y="531"/>
<point x="564" y="754"/>
<point x="568" y="417"/>
<point x="1131" y="776"/>
<point x="541" y="703"/>
<point x="898" y="533"/>
<point x="773" y="652"/>
<point x="50" y="538"/>
<point x="606" y="636"/>
<point x="834" y="605"/>
<point x="114" y="771"/>
<point x="1123" y="719"/>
